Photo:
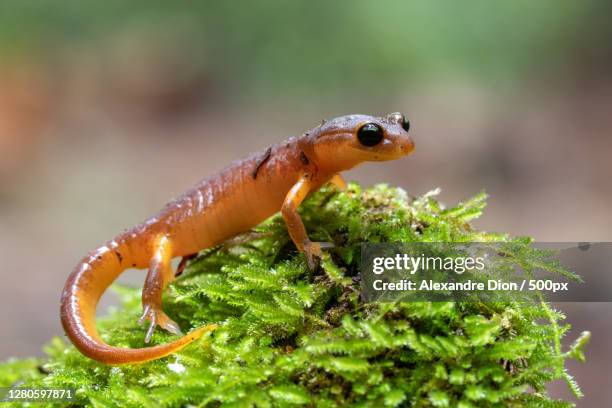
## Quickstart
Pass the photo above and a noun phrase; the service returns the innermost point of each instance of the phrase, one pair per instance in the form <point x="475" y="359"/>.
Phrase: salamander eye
<point x="370" y="134"/>
<point x="405" y="124"/>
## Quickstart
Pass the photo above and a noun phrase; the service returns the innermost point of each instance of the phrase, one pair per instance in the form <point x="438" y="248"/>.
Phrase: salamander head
<point x="349" y="140"/>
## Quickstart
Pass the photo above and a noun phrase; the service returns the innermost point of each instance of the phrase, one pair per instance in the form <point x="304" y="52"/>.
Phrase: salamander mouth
<point x="400" y="149"/>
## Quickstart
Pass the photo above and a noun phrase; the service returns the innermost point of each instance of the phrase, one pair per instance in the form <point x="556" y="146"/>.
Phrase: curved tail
<point x="80" y="297"/>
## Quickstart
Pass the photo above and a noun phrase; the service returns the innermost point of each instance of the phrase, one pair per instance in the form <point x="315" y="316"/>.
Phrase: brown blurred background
<point x="109" y="109"/>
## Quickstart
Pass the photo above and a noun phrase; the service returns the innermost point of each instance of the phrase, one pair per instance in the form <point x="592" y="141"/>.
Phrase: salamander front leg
<point x="159" y="276"/>
<point x="339" y="182"/>
<point x="295" y="226"/>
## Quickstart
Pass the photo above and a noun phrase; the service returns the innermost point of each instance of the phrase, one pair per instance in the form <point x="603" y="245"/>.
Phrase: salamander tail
<point x="80" y="298"/>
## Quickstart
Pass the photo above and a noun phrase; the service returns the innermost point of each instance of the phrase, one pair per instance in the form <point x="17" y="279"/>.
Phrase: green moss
<point x="288" y="336"/>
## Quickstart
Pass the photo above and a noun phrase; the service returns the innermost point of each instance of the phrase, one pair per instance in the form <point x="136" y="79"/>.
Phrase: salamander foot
<point x="313" y="252"/>
<point x="157" y="317"/>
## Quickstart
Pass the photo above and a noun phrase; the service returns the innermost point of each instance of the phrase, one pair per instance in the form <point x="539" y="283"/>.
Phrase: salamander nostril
<point x="407" y="146"/>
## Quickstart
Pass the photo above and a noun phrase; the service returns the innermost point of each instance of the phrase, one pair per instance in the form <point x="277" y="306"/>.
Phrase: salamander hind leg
<point x="183" y="264"/>
<point x="159" y="276"/>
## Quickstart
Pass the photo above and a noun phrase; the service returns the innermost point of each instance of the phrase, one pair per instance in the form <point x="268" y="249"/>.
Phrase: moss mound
<point x="291" y="337"/>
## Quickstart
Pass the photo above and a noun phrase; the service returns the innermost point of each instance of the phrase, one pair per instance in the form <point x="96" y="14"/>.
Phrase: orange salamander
<point x="218" y="208"/>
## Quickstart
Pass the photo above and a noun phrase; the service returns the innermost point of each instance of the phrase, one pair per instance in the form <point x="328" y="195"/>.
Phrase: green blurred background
<point x="109" y="109"/>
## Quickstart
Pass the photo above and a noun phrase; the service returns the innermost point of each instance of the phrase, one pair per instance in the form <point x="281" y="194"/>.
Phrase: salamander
<point x="218" y="208"/>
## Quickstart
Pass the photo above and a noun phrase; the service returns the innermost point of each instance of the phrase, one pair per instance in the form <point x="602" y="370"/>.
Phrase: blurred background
<point x="109" y="109"/>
